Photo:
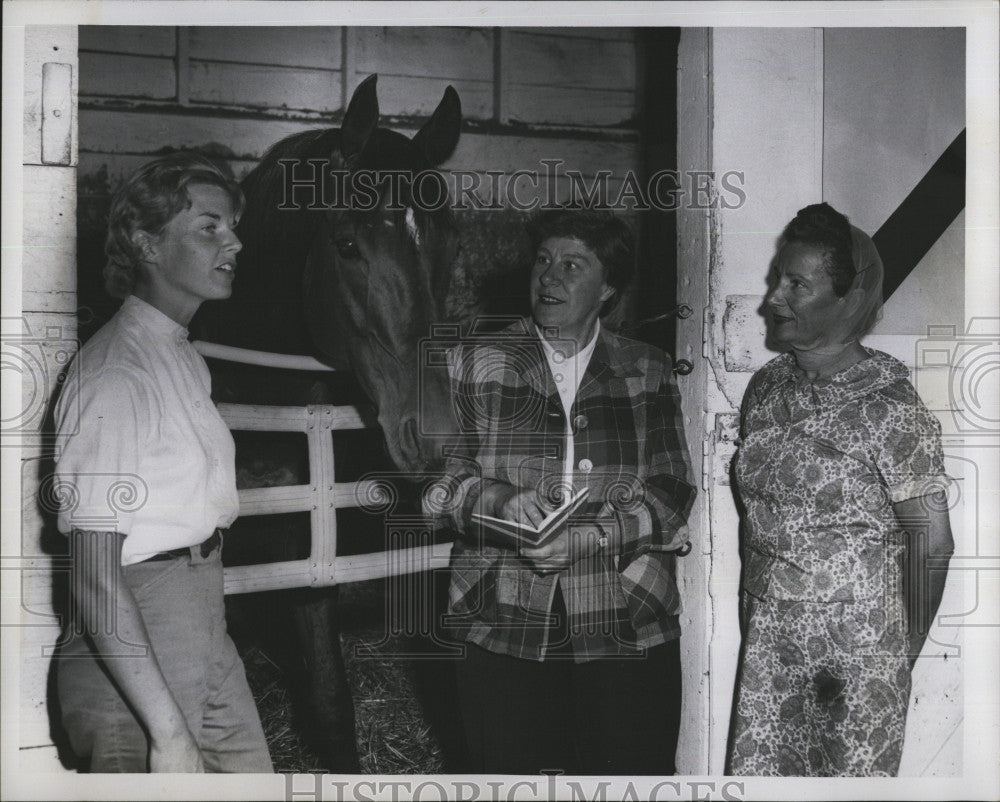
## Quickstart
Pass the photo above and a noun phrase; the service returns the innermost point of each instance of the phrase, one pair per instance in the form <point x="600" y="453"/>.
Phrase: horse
<point x="355" y="280"/>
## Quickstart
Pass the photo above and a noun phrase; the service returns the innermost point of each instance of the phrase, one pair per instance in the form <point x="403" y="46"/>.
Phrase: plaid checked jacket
<point x="629" y="450"/>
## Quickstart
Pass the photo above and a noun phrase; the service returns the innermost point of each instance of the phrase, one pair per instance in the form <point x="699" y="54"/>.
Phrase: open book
<point x="528" y="535"/>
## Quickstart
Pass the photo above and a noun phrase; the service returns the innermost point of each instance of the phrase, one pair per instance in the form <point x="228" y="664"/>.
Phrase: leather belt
<point x="206" y="547"/>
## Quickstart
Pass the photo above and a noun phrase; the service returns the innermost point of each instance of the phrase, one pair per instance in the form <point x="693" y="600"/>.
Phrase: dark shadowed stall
<point x="547" y="116"/>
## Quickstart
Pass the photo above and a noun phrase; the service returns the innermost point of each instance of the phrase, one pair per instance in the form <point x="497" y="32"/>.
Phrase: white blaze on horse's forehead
<point x="411" y="225"/>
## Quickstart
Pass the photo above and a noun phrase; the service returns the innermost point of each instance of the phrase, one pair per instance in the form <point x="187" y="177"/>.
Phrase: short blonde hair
<point x="149" y="199"/>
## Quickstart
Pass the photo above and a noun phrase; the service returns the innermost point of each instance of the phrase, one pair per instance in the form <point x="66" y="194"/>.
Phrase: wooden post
<point x="38" y="345"/>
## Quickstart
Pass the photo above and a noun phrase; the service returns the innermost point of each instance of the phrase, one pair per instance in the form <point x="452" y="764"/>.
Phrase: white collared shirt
<point x="567" y="373"/>
<point x="142" y="449"/>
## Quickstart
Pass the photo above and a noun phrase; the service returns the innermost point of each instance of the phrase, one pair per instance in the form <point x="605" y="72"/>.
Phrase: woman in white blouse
<point x="148" y="679"/>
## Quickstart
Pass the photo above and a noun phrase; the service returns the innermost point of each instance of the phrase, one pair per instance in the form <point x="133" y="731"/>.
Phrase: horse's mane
<point x="271" y="235"/>
<point x="265" y="309"/>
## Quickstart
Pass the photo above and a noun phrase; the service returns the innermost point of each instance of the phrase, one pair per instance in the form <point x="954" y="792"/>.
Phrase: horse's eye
<point x="347" y="248"/>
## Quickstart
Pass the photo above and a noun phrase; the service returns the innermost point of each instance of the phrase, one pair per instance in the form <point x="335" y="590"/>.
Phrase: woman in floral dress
<point x="840" y="475"/>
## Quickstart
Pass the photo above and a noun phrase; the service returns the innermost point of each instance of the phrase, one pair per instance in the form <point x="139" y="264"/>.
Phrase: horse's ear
<point x="439" y="135"/>
<point x="360" y="119"/>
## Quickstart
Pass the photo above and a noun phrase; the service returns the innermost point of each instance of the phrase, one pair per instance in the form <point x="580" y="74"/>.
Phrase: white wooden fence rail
<point x="321" y="497"/>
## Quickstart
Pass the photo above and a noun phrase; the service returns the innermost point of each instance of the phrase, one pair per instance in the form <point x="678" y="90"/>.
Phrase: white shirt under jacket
<point x="141" y="447"/>
<point x="567" y="373"/>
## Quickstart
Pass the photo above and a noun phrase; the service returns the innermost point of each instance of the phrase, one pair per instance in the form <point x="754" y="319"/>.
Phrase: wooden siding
<point x="439" y="53"/>
<point x="582" y="78"/>
<point x="561" y="80"/>
<point x="127" y="76"/>
<point x="307" y="48"/>
<point x="145" y="40"/>
<point x="263" y="86"/>
<point x="528" y="94"/>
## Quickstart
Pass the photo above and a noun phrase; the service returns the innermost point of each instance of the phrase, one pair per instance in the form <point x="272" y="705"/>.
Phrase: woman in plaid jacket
<point x="572" y="659"/>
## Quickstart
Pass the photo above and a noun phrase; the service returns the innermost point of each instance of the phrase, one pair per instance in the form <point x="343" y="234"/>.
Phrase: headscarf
<point x="868" y="274"/>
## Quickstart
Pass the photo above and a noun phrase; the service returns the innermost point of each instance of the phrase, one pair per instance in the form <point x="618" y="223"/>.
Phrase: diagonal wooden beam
<point x="920" y="220"/>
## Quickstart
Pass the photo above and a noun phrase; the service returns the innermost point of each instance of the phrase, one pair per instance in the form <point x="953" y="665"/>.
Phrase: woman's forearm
<point x="929" y="546"/>
<point x="925" y="595"/>
<point x="110" y="615"/>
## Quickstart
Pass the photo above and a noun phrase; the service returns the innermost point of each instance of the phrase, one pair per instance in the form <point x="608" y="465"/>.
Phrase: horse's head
<point x="356" y="273"/>
<point x="378" y="268"/>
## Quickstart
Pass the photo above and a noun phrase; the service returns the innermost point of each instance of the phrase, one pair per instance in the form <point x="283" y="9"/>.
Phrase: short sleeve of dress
<point x="749" y="403"/>
<point x="99" y="436"/>
<point x="907" y="445"/>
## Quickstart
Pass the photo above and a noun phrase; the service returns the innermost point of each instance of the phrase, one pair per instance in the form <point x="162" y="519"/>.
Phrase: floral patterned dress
<point x="824" y="679"/>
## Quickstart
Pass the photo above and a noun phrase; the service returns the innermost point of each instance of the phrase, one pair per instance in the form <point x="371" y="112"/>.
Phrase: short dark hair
<point x="824" y="228"/>
<point x="149" y="199"/>
<point x="607" y="235"/>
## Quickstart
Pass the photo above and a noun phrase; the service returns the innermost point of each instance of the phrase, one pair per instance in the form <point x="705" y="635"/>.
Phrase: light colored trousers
<point x="181" y="602"/>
